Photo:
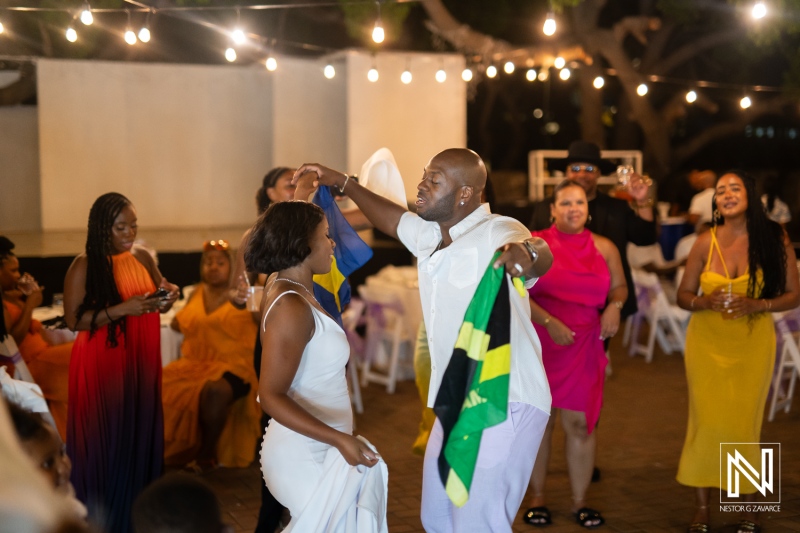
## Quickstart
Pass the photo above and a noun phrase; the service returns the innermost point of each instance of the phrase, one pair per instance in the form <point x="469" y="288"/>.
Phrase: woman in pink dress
<point x="574" y="308"/>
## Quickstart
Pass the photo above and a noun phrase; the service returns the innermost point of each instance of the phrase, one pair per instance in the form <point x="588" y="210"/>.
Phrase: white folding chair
<point x="666" y="321"/>
<point x="350" y="319"/>
<point x="385" y="325"/>
<point x="787" y="366"/>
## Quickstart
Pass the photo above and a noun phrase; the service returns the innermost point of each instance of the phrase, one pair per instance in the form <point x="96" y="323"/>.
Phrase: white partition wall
<point x="20" y="209"/>
<point x="189" y="144"/>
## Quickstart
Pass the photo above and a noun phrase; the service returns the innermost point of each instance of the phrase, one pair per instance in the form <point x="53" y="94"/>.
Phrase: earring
<point x="717" y="216"/>
<point x="589" y="219"/>
<point x="462" y="203"/>
<point x="552" y="219"/>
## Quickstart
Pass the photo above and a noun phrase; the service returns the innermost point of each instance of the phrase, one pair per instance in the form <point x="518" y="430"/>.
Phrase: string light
<point x="745" y="102"/>
<point x="543" y="75"/>
<point x="441" y="75"/>
<point x="406" y="76"/>
<point x="237" y="35"/>
<point x="641" y="90"/>
<point x="329" y="72"/>
<point x="491" y="71"/>
<point x="691" y="97"/>
<point x="509" y="67"/>
<point x="599" y="82"/>
<point x="530" y="75"/>
<point x="378" y="35"/>
<point x="759" y="10"/>
<point x="130" y="36"/>
<point x="466" y="74"/>
<point x="549" y="27"/>
<point x="564" y="74"/>
<point x="230" y="54"/>
<point x="2" y="29"/>
<point x="373" y="75"/>
<point x="144" y="33"/>
<point x="271" y="63"/>
<point x="86" y="15"/>
<point x="71" y="34"/>
<point x="559" y="62"/>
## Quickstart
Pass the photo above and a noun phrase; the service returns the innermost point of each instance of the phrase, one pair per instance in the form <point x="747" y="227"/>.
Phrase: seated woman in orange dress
<point x="48" y="364"/>
<point x="209" y="395"/>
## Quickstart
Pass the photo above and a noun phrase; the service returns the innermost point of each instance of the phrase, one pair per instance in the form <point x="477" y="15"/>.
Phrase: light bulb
<point x="599" y="82"/>
<point x="72" y="35"/>
<point x="564" y="74"/>
<point x="238" y="36"/>
<point x="441" y="75"/>
<point x="745" y="102"/>
<point x="406" y="77"/>
<point x="559" y="62"/>
<point x="549" y="27"/>
<point x="377" y="33"/>
<point x="271" y="63"/>
<point x="543" y="75"/>
<point x="144" y="35"/>
<point x="130" y="36"/>
<point x="2" y="29"/>
<point x="530" y="75"/>
<point x="466" y="74"/>
<point x="491" y="71"/>
<point x="230" y="54"/>
<point x="509" y="67"/>
<point x="641" y="90"/>
<point x="329" y="72"/>
<point x="691" y="97"/>
<point x="373" y="75"/>
<point x="759" y="10"/>
<point x="86" y="16"/>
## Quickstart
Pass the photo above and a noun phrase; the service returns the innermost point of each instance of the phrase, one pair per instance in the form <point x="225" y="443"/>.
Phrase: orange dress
<point x="214" y="343"/>
<point x="49" y="366"/>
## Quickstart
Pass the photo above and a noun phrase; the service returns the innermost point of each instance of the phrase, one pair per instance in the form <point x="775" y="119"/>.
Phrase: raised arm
<point x="381" y="212"/>
<point x="284" y="335"/>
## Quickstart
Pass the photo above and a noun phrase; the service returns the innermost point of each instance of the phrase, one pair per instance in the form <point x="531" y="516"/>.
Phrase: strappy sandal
<point x="698" y="527"/>
<point x="748" y="526"/>
<point x="589" y="518"/>
<point x="538" y="516"/>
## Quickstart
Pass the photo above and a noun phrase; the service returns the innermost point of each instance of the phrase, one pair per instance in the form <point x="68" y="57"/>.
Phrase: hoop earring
<point x="717" y="216"/>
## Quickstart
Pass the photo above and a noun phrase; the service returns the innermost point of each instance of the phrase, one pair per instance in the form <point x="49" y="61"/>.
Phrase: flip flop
<point x="538" y="516"/>
<point x="585" y="517"/>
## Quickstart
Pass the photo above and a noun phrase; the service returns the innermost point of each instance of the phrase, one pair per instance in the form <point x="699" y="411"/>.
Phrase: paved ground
<point x="640" y="437"/>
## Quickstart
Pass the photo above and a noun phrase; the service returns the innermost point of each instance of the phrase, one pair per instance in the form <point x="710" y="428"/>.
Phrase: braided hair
<point x="269" y="182"/>
<point x="6" y="247"/>
<point x="766" y="249"/>
<point x="101" y="288"/>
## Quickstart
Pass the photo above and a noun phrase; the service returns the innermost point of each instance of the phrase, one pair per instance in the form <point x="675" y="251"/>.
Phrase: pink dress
<point x="574" y="291"/>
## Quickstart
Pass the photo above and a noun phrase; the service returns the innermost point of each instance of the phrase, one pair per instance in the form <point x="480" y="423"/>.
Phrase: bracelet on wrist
<point x="647" y="203"/>
<point x="548" y="319"/>
<point x="692" y="303"/>
<point x="531" y="250"/>
<point x="346" y="179"/>
<point x="108" y="315"/>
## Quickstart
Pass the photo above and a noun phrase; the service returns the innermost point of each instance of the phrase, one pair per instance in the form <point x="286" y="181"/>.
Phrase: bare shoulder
<point x="703" y="242"/>
<point x="288" y="313"/>
<point x="603" y="245"/>
<point x="79" y="264"/>
<point x="143" y="255"/>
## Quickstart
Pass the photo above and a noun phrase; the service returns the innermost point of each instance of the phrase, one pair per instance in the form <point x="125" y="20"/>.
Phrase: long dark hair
<point x="101" y="287"/>
<point x="766" y="250"/>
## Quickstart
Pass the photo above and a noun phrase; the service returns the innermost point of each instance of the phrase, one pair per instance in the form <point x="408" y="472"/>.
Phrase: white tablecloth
<point x="402" y="282"/>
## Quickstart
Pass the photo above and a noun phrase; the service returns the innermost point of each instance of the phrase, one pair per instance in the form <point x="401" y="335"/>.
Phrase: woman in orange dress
<point x="115" y="433"/>
<point x="48" y="364"/>
<point x="210" y="410"/>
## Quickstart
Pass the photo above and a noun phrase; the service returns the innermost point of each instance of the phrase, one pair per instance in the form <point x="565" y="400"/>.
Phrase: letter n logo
<point x="737" y="472"/>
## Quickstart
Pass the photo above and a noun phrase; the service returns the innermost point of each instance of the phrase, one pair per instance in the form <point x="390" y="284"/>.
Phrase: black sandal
<point x="748" y="526"/>
<point x="587" y="517"/>
<point x="698" y="527"/>
<point x="538" y="516"/>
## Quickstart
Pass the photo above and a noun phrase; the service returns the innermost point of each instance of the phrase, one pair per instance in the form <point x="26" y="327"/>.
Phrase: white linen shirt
<point x="448" y="279"/>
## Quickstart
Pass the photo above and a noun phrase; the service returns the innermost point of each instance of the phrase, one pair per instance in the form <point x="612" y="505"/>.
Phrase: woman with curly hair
<point x="744" y="268"/>
<point x="114" y="428"/>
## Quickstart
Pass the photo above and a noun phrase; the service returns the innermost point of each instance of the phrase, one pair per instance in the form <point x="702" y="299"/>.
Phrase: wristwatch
<point x="531" y="250"/>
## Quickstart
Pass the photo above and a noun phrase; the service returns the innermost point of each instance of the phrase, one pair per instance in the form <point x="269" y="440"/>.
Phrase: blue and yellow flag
<point x="473" y="395"/>
<point x="351" y="253"/>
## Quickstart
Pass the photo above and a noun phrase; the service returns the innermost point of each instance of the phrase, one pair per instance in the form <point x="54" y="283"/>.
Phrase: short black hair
<point x="269" y="182"/>
<point x="281" y="237"/>
<point x="6" y="247"/>
<point x="28" y="425"/>
<point x="177" y="503"/>
<point x="564" y="184"/>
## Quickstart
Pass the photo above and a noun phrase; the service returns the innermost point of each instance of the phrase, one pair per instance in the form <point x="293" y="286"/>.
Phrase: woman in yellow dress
<point x="745" y="268"/>
<point x="210" y="411"/>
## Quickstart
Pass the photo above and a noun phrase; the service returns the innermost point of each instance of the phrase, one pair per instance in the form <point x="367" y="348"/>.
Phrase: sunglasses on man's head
<point x="578" y="168"/>
<point x="220" y="244"/>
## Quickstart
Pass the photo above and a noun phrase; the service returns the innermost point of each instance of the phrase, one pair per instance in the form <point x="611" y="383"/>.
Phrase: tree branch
<point x="637" y="27"/>
<point x="688" y="51"/>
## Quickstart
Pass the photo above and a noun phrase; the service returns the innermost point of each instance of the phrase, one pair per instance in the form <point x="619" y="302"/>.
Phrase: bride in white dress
<point x="310" y="460"/>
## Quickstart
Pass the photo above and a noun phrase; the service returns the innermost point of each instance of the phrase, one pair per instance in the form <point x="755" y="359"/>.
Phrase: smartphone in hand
<point x="159" y="294"/>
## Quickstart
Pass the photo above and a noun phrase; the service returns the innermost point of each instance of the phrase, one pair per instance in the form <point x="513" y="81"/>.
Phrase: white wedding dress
<point x="322" y="492"/>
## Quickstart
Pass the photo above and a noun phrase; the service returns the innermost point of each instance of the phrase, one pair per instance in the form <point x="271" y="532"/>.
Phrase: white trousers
<point x="502" y="473"/>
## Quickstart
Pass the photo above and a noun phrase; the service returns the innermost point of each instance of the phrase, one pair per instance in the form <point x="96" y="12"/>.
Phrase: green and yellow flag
<point x="474" y="391"/>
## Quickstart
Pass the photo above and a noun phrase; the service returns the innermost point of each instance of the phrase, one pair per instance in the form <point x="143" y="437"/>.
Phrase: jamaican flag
<point x="474" y="392"/>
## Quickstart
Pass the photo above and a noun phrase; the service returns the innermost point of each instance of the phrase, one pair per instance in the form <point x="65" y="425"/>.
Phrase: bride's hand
<point x="356" y="452"/>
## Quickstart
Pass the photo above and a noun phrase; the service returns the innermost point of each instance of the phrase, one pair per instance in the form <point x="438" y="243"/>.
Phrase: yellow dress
<point x="215" y="343"/>
<point x="728" y="368"/>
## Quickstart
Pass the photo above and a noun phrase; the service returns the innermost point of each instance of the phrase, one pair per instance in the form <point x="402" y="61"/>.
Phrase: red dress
<point x="574" y="291"/>
<point x="115" y="430"/>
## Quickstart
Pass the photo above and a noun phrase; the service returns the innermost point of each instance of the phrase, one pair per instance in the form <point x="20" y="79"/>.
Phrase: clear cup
<point x="624" y="173"/>
<point x="58" y="299"/>
<point x="27" y="284"/>
<point x="254" y="298"/>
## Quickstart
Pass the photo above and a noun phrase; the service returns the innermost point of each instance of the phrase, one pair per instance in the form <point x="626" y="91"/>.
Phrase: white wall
<point x="20" y="208"/>
<point x="187" y="144"/>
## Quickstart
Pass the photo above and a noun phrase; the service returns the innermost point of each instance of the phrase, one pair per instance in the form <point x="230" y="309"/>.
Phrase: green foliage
<point x="361" y="16"/>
